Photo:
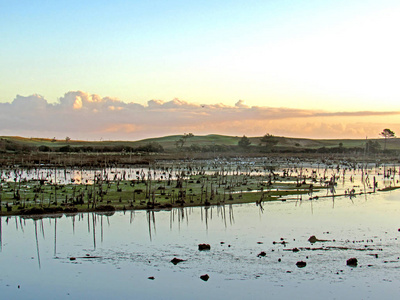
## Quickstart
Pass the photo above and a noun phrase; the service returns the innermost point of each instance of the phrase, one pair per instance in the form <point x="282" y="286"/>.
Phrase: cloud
<point x="82" y="115"/>
<point x="34" y="102"/>
<point x="79" y="100"/>
<point x="241" y="104"/>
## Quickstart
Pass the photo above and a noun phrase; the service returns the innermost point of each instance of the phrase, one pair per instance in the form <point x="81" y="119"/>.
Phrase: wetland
<point x="226" y="228"/>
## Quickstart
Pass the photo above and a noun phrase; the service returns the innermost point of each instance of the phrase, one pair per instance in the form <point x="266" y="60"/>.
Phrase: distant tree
<point x="372" y="146"/>
<point x="53" y="140"/>
<point x="195" y="148"/>
<point x="341" y="148"/>
<point x="44" y="148"/>
<point x="244" y="142"/>
<point x="152" y="147"/>
<point x="67" y="139"/>
<point x="67" y="148"/>
<point x="387" y="134"/>
<point x="181" y="142"/>
<point x="269" y="140"/>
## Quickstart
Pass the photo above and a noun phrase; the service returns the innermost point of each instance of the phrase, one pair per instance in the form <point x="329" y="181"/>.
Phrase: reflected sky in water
<point x="116" y="254"/>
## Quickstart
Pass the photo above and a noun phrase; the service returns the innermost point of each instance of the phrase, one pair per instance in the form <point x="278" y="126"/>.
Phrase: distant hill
<point x="173" y="142"/>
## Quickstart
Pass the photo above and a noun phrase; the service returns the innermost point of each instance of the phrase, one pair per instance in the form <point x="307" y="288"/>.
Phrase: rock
<point x="295" y="250"/>
<point x="312" y="239"/>
<point x="301" y="264"/>
<point x="176" y="261"/>
<point x="204" y="277"/>
<point x="72" y="258"/>
<point x="352" y="262"/>
<point x="261" y="254"/>
<point x="151" y="278"/>
<point x="204" y="247"/>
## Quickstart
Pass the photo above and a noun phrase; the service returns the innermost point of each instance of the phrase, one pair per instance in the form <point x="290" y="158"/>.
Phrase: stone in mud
<point x="176" y="261"/>
<point x="151" y="278"/>
<point x="312" y="239"/>
<point x="301" y="264"/>
<point x="204" y="247"/>
<point x="295" y="250"/>
<point x="261" y="254"/>
<point x="352" y="262"/>
<point x="204" y="277"/>
<point x="72" y="258"/>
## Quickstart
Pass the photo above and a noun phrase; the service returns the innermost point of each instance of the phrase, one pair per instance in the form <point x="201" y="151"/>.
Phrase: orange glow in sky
<point x="302" y="68"/>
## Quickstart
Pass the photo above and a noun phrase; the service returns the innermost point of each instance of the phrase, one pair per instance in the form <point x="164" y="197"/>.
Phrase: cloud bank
<point x="81" y="115"/>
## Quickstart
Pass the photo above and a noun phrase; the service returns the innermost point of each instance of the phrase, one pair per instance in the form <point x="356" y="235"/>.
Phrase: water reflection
<point x="94" y="230"/>
<point x="55" y="238"/>
<point x="130" y="246"/>
<point x="151" y="220"/>
<point x="37" y="241"/>
<point x="95" y="222"/>
<point x="177" y="216"/>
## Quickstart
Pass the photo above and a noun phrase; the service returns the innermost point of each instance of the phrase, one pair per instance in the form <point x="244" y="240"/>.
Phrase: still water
<point x="116" y="255"/>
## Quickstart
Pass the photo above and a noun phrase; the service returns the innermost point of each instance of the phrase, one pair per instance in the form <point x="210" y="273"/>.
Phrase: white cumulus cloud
<point x="82" y="115"/>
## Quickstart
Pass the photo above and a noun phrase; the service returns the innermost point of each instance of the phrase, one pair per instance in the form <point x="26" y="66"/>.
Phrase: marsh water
<point x="253" y="251"/>
<point x="115" y="255"/>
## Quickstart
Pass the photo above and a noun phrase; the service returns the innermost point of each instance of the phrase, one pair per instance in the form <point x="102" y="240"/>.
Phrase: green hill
<point x="173" y="142"/>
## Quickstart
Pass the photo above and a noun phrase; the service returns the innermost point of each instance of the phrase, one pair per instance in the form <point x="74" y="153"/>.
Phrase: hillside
<point x="174" y="142"/>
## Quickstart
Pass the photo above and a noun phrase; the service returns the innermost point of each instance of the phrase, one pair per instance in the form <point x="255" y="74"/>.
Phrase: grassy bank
<point x="38" y="196"/>
<point x="205" y="143"/>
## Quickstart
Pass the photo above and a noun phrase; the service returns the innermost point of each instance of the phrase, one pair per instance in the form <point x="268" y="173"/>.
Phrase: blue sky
<point x="320" y="55"/>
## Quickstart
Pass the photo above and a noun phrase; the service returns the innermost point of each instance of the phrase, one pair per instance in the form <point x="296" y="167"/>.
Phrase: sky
<point x="135" y="69"/>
